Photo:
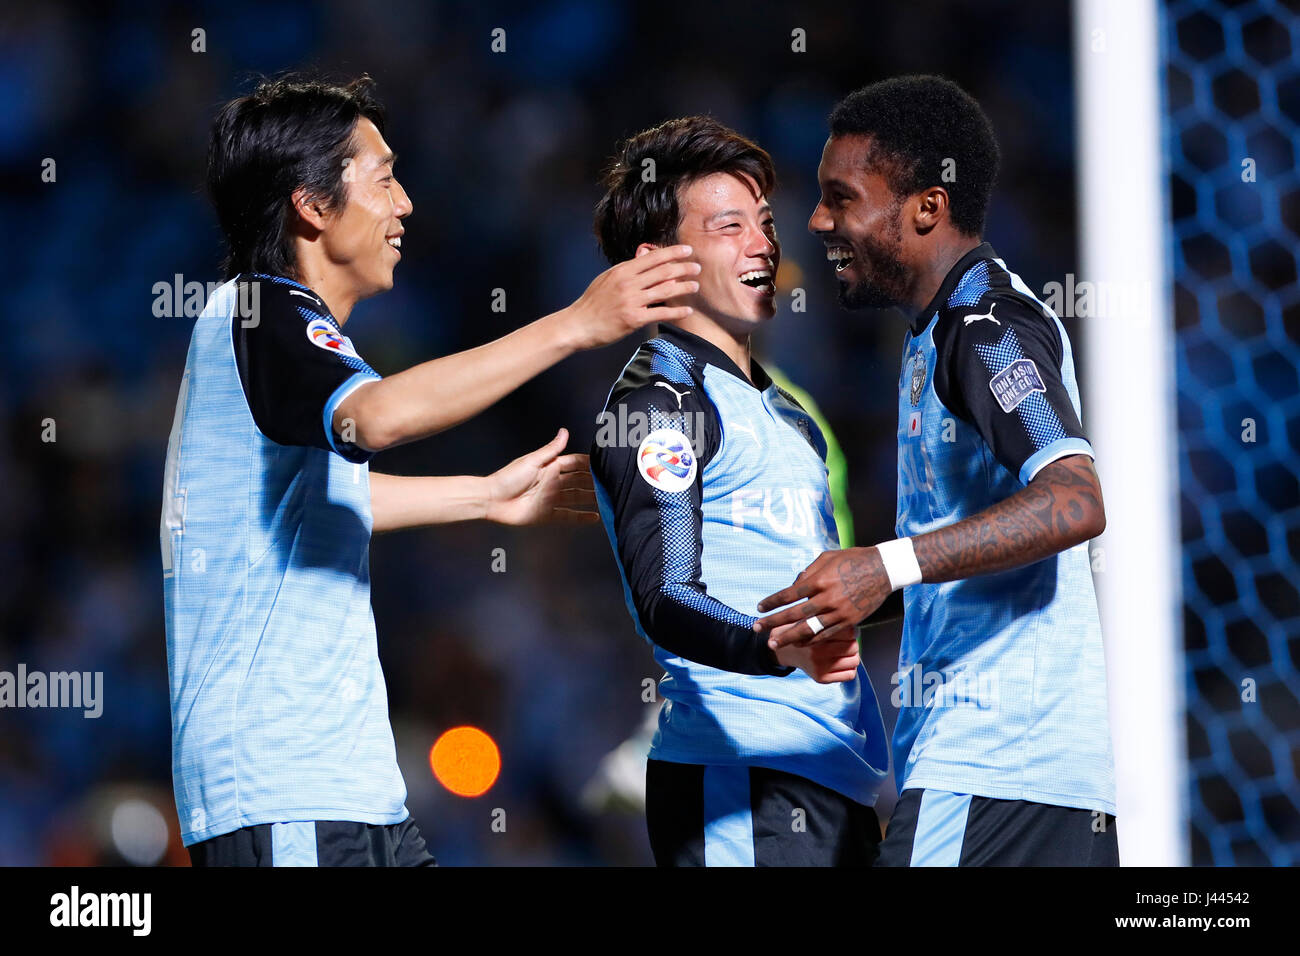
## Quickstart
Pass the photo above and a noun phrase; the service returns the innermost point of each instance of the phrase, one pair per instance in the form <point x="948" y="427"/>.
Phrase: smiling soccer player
<point x="282" y="753"/>
<point x="1002" y="746"/>
<point x="713" y="487"/>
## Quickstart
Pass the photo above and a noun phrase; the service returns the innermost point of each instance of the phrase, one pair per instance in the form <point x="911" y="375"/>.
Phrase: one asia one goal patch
<point x="1015" y="383"/>
<point x="666" y="460"/>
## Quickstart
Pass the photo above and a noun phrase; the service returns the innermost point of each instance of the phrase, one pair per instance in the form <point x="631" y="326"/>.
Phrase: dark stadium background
<point x="500" y="154"/>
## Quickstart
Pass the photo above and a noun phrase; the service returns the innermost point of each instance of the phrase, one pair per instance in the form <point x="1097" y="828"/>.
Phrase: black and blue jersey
<point x="1002" y="682"/>
<point x="714" y="492"/>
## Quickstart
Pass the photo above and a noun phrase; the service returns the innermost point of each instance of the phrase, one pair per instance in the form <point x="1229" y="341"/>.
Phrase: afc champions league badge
<point x="918" y="376"/>
<point x="666" y="460"/>
<point x="323" y="335"/>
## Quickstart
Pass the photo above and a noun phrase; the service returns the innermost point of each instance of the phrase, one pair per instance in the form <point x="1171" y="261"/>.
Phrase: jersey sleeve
<point x="649" y="486"/>
<point x="1001" y="370"/>
<point x="297" y="367"/>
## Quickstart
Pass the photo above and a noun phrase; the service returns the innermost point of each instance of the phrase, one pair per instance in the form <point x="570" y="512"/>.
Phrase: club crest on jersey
<point x="918" y="376"/>
<point x="666" y="460"/>
<point x="323" y="335"/>
<point x="1015" y="383"/>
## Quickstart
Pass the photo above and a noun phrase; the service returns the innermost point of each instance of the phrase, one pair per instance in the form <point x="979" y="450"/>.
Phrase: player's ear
<point x="310" y="211"/>
<point x="931" y="208"/>
<point x="646" y="247"/>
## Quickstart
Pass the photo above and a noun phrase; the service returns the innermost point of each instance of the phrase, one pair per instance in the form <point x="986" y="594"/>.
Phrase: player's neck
<point x="329" y="282"/>
<point x="936" y="268"/>
<point x="736" y="346"/>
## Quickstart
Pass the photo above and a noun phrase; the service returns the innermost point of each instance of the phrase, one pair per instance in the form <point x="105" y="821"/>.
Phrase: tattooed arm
<point x="1060" y="508"/>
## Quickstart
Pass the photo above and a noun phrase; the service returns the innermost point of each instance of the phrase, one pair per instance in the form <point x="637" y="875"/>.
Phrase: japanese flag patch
<point x="666" y="460"/>
<point x="1015" y="383"/>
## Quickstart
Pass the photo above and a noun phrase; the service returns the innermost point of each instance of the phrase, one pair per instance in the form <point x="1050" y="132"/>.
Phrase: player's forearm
<point x="397" y="501"/>
<point x="707" y="640"/>
<point x="435" y="395"/>
<point x="1059" y="509"/>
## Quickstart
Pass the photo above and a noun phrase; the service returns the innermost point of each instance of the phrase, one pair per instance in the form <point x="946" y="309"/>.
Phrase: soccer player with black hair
<point x="1002" y="747"/>
<point x="712" y="484"/>
<point x="282" y="752"/>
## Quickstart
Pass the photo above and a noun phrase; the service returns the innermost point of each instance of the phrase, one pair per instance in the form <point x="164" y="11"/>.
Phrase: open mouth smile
<point x="760" y="280"/>
<point x="840" y="255"/>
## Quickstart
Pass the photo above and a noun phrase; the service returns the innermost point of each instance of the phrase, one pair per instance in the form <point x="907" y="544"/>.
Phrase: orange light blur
<point x="466" y="761"/>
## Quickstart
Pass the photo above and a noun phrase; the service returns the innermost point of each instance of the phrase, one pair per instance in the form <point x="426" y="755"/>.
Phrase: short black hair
<point x="291" y="131"/>
<point x="634" y="210"/>
<point x="916" y="123"/>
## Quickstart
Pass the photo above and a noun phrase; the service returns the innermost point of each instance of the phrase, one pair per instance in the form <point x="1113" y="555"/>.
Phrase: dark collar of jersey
<point x="706" y="351"/>
<point x="285" y="280"/>
<point x="922" y="318"/>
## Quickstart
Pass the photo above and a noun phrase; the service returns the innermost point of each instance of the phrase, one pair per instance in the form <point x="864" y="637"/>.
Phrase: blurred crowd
<point x="500" y="152"/>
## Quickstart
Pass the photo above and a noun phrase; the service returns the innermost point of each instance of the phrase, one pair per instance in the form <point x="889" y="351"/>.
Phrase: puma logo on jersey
<point x="748" y="429"/>
<point x="680" y="395"/>
<point x="306" y="296"/>
<point x="988" y="315"/>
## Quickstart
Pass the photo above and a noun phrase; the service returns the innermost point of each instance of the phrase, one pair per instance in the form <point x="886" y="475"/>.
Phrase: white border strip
<point x="1129" y="401"/>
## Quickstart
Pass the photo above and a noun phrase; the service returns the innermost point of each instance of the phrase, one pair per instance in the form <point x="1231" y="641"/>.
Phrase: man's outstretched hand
<point x="841" y="588"/>
<point x="543" y="487"/>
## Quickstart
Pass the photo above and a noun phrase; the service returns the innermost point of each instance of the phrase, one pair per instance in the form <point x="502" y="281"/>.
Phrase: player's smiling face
<point x="860" y="220"/>
<point x="364" y="238"/>
<point x="729" y="224"/>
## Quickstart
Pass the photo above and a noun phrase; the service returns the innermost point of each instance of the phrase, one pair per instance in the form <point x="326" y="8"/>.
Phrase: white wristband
<point x="900" y="562"/>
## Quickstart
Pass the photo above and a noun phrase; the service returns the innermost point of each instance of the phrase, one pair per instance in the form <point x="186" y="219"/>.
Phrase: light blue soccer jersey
<point x="279" y="710"/>
<point x="1001" y="677"/>
<point x="714" y="494"/>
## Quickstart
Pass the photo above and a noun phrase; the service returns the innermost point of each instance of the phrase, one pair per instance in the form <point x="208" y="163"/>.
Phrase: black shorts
<point x="752" y="816"/>
<point x="316" y="843"/>
<point x="937" y="828"/>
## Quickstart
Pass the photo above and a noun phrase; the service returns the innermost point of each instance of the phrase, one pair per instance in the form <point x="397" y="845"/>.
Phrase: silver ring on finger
<point x="815" y="625"/>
